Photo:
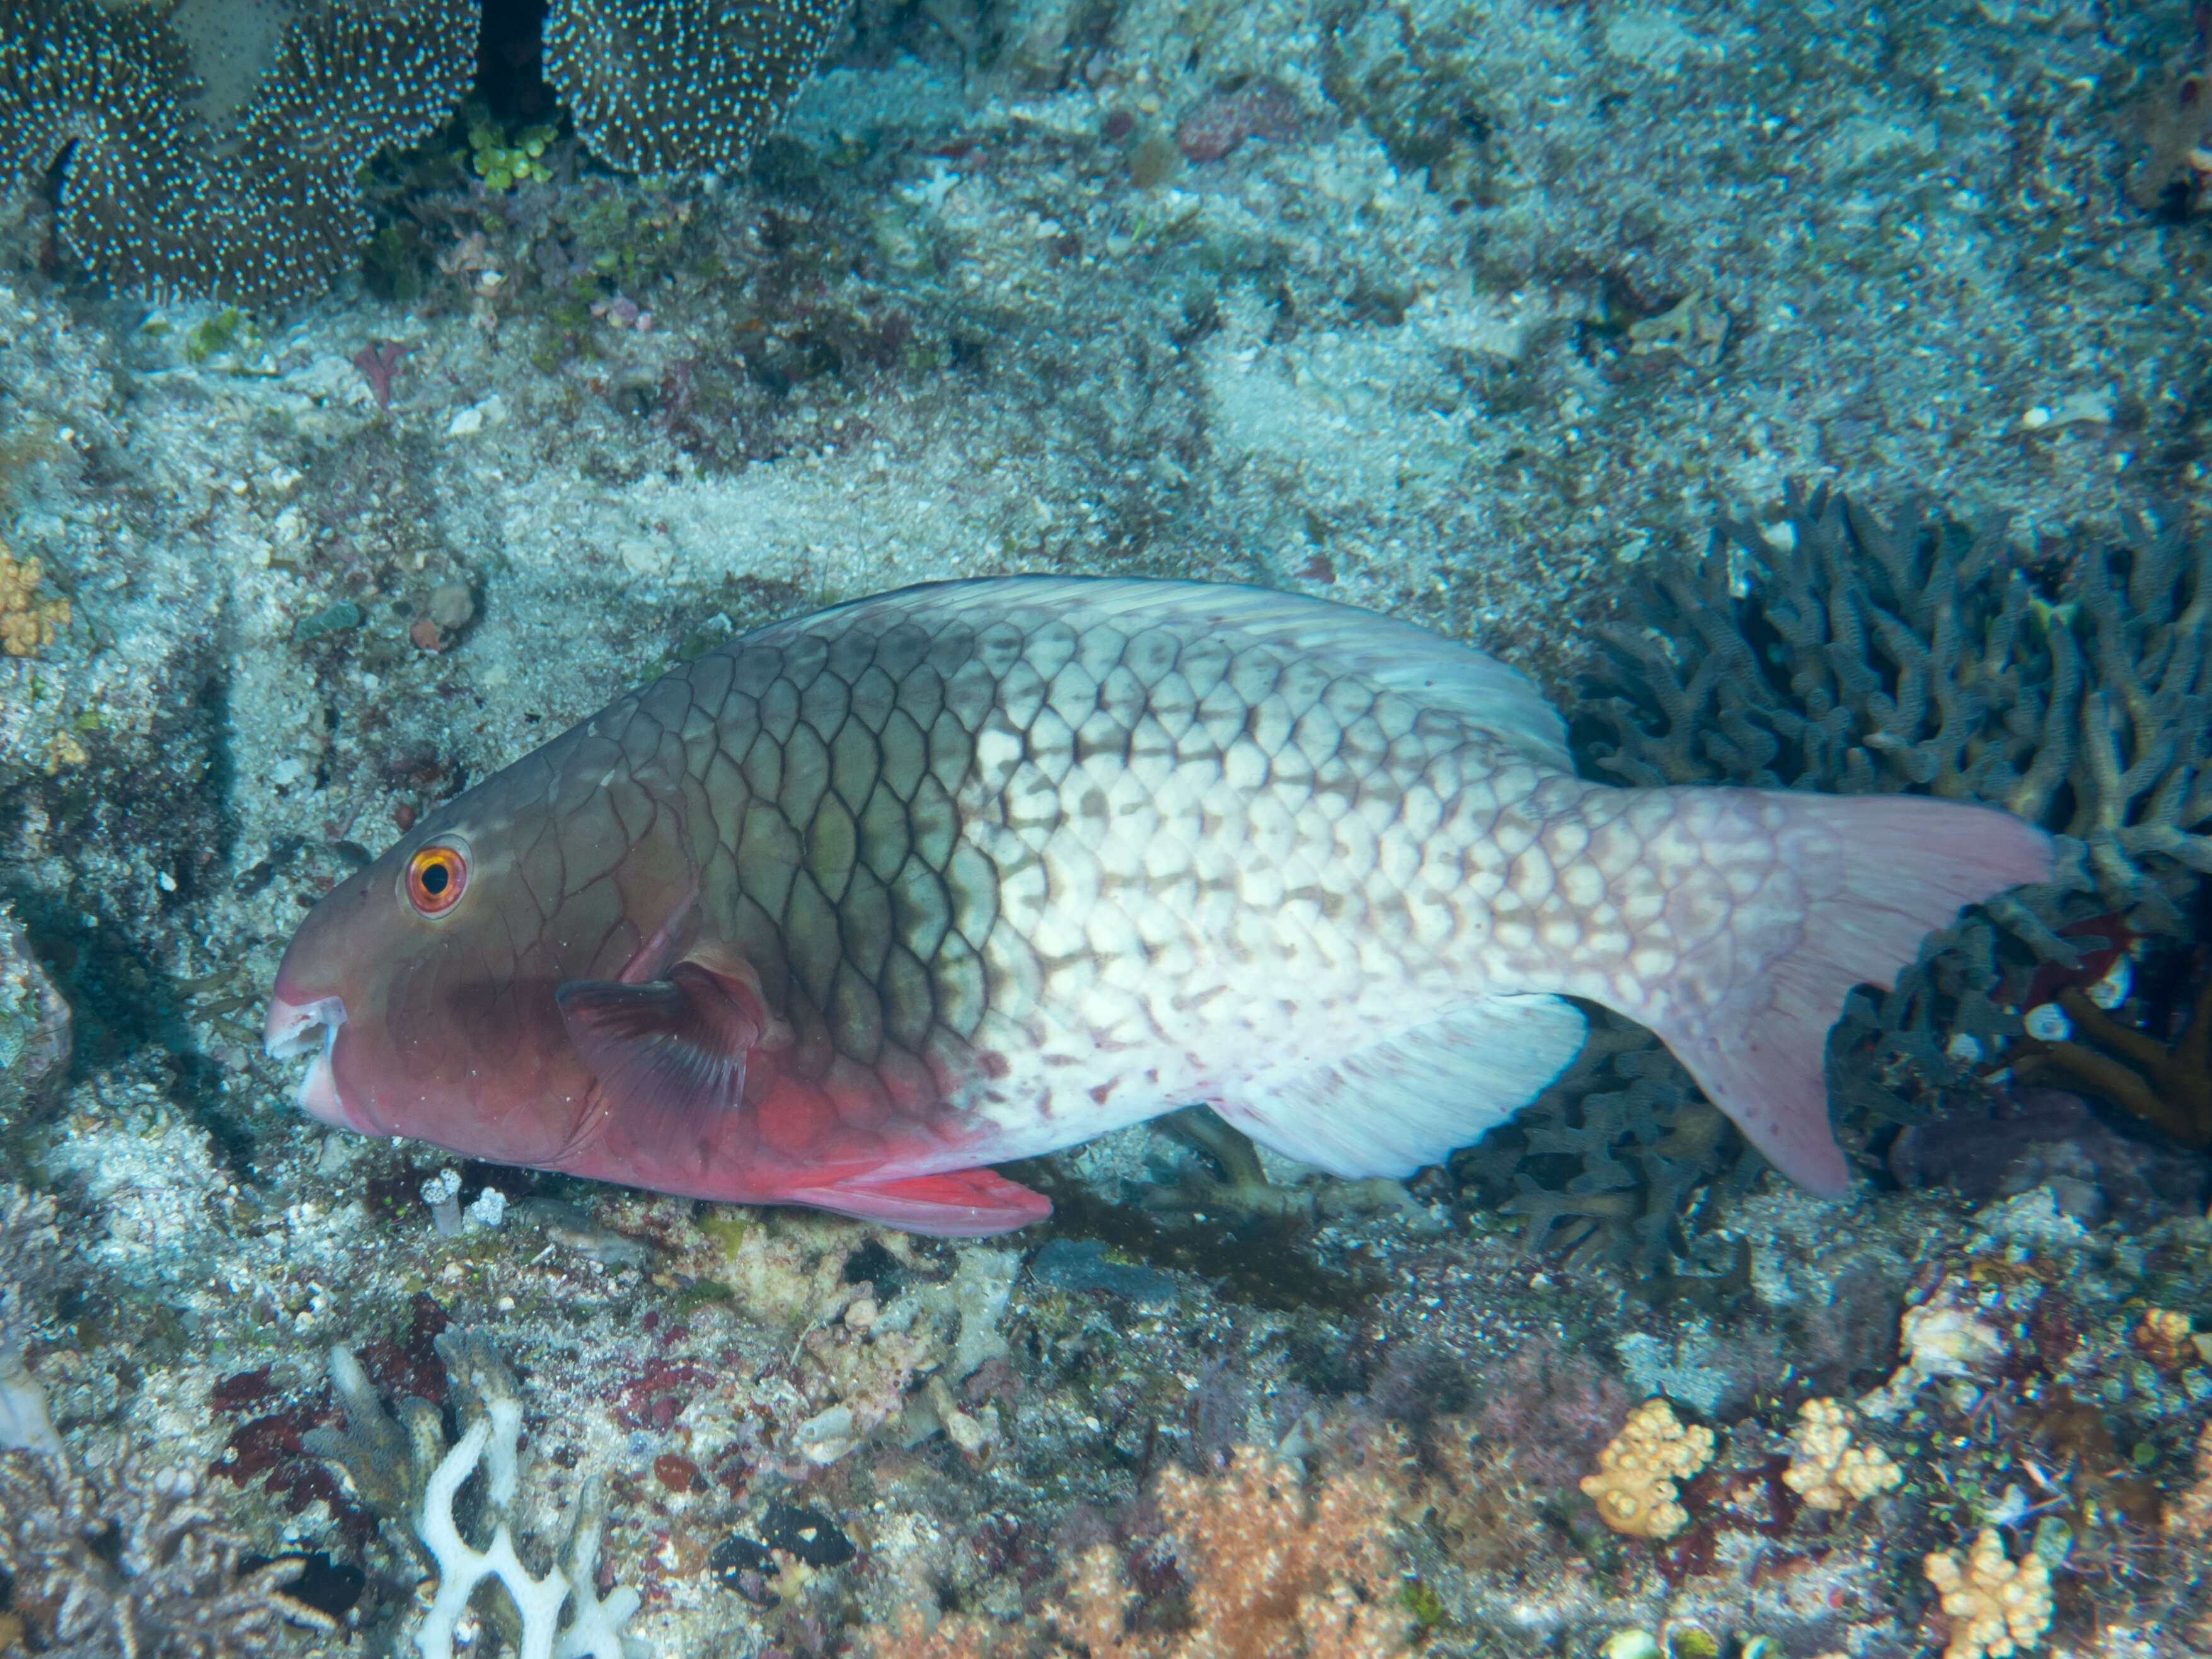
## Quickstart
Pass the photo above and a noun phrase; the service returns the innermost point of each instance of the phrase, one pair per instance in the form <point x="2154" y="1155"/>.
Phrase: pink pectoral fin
<point x="955" y="1204"/>
<point x="670" y="1047"/>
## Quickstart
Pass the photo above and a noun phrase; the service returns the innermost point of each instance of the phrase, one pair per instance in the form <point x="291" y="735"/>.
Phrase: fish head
<point x="424" y="985"/>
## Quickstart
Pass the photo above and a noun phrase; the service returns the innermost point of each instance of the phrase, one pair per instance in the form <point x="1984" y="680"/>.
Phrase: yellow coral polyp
<point x="1827" y="1470"/>
<point x="1635" y="1483"/>
<point x="28" y="622"/>
<point x="1997" y="1607"/>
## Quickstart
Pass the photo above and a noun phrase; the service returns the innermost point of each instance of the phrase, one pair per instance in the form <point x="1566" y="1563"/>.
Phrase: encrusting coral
<point x="1635" y="1483"/>
<point x="1270" y="1569"/>
<point x="29" y="621"/>
<point x="1996" y="1607"/>
<point x="1830" y="1472"/>
<point x="402" y="1470"/>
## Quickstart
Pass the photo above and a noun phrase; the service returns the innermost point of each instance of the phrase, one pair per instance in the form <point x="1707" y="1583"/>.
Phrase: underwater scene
<point x="1518" y="963"/>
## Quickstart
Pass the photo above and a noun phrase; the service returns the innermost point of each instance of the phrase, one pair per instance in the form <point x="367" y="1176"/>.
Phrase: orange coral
<point x="1634" y="1485"/>
<point x="1271" y="1574"/>
<point x="1274" y="1573"/>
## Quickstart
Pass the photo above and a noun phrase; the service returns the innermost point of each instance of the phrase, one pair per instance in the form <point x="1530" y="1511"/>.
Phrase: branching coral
<point x="1828" y="1471"/>
<point x="2166" y="1084"/>
<point x="407" y="1471"/>
<point x="1847" y="655"/>
<point x="127" y="1558"/>
<point x="1635" y="1483"/>
<point x="663" y="86"/>
<point x="125" y="1555"/>
<point x="1997" y="1607"/>
<point x="209" y="153"/>
<point x="29" y="621"/>
<point x="1633" y="1140"/>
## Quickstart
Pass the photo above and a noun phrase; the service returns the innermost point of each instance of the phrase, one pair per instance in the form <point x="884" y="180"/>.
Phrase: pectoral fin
<point x="671" y="1047"/>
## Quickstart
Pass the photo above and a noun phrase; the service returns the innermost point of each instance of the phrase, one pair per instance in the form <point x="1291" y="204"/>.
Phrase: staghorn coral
<point x="1828" y="1472"/>
<point x="210" y="153"/>
<point x="1635" y="1482"/>
<point x="1997" y="1607"/>
<point x="1843" y="654"/>
<point x="667" y="86"/>
<point x="1628" y="1140"/>
<point x="403" y="1470"/>
<point x="29" y="621"/>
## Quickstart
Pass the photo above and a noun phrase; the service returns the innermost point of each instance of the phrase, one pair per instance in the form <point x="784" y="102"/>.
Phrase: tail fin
<point x="1869" y="877"/>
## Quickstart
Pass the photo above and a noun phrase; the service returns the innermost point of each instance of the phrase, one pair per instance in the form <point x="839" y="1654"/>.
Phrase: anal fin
<point x="952" y="1203"/>
<point x="1389" y="1108"/>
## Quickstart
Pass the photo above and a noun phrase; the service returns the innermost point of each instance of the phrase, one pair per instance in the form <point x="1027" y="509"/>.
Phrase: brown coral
<point x="207" y="155"/>
<point x="665" y="85"/>
<point x="28" y="621"/>
<point x="1635" y="1482"/>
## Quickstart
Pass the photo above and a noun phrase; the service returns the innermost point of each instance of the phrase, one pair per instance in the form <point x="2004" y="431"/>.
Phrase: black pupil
<point x="434" y="879"/>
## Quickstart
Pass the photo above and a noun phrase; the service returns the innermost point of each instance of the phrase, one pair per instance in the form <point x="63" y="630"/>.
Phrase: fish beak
<point x="301" y="1027"/>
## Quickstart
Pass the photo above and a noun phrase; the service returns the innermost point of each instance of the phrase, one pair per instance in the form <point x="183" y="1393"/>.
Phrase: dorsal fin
<point x="1442" y="672"/>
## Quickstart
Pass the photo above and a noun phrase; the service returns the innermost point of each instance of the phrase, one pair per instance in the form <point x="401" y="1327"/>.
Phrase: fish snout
<point x="302" y="1028"/>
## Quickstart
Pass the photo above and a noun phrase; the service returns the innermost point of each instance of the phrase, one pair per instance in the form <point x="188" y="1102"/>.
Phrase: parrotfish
<point x="847" y="910"/>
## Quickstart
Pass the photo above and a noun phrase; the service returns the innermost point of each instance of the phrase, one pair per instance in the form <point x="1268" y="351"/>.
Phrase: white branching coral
<point x="1827" y="1470"/>
<point x="407" y="1469"/>
<point x="1997" y="1607"/>
<point x="1634" y="1485"/>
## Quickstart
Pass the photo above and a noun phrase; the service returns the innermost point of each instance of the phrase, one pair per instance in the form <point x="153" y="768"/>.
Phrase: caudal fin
<point x="1860" y="881"/>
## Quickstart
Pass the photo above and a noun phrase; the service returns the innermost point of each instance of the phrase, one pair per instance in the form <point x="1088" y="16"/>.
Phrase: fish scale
<point x="974" y="871"/>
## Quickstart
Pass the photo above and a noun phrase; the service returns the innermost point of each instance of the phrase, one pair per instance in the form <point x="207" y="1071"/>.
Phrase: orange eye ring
<point x="437" y="875"/>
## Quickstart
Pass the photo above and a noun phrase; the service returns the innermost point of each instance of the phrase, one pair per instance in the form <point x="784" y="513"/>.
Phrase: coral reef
<point x="216" y="157"/>
<point x="402" y="1469"/>
<point x="1996" y="1607"/>
<point x="1637" y="1480"/>
<point x="683" y="85"/>
<point x="1831" y="651"/>
<point x="124" y="1554"/>
<point x="34" y="1031"/>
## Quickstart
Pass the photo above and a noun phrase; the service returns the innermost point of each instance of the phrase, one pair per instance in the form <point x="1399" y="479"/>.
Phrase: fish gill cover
<point x="211" y="147"/>
<point x="1834" y="652"/>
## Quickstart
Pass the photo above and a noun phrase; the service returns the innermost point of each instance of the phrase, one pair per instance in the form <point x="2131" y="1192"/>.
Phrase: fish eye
<point x="437" y="875"/>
